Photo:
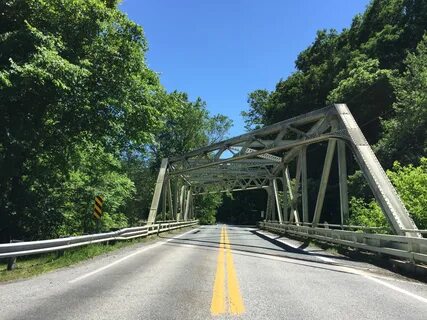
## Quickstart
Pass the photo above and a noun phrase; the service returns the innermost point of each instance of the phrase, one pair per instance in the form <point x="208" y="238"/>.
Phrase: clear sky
<point x="220" y="50"/>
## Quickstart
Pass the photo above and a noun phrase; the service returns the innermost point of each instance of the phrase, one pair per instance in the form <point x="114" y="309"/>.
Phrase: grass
<point x="31" y="266"/>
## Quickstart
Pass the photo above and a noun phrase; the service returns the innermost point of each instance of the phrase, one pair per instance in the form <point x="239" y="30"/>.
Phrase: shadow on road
<point x="274" y="251"/>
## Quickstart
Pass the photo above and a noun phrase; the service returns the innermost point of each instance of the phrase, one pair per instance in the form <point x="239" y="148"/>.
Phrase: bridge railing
<point x="19" y="249"/>
<point x="409" y="248"/>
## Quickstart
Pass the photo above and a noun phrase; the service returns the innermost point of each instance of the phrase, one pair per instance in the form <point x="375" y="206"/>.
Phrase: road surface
<point x="218" y="272"/>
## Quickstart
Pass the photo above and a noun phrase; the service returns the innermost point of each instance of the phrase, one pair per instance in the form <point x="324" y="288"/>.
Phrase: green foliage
<point x="404" y="135"/>
<point x="82" y="185"/>
<point x="187" y="125"/>
<point x="242" y="207"/>
<point x="366" y="214"/>
<point x="355" y="67"/>
<point x="31" y="266"/>
<point x="81" y="113"/>
<point x="75" y="94"/>
<point x="410" y="183"/>
<point x="361" y="74"/>
<point x="206" y="207"/>
<point x="34" y="265"/>
<point x="79" y="109"/>
<point x="254" y="118"/>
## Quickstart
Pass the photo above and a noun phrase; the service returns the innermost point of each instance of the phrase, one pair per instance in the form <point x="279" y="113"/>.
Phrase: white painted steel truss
<point x="261" y="160"/>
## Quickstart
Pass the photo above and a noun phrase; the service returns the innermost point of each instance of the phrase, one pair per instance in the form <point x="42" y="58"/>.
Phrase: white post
<point x="276" y="196"/>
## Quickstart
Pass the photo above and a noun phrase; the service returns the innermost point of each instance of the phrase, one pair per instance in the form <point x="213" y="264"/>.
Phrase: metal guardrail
<point x="19" y="249"/>
<point x="350" y="227"/>
<point x="410" y="248"/>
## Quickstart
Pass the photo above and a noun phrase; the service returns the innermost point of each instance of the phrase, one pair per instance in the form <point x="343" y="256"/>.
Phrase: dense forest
<point x="378" y="67"/>
<point x="82" y="114"/>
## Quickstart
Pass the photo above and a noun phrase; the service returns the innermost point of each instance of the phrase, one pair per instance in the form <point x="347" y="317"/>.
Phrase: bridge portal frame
<point x="260" y="159"/>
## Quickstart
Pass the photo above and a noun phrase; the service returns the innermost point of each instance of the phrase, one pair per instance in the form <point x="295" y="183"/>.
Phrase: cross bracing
<point x="262" y="159"/>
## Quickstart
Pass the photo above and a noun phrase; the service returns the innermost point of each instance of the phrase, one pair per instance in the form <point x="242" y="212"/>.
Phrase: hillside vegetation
<point x="378" y="67"/>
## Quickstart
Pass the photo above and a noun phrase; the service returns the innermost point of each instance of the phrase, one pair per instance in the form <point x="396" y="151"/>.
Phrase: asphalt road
<point x="219" y="272"/>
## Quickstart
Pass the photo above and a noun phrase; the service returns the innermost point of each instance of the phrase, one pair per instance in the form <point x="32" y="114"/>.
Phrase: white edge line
<point x="389" y="285"/>
<point x="127" y="257"/>
<point x="361" y="273"/>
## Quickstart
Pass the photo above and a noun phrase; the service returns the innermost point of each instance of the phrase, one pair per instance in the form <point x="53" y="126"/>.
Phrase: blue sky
<point x="220" y="50"/>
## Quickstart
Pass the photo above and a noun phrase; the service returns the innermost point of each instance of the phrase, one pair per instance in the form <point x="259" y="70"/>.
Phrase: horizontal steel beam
<point x="257" y="153"/>
<point x="265" y="131"/>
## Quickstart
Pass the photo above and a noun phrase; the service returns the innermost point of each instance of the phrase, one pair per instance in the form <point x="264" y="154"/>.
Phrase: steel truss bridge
<point x="262" y="159"/>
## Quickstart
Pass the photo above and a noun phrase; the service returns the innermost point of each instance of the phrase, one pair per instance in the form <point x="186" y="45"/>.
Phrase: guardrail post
<point x="11" y="263"/>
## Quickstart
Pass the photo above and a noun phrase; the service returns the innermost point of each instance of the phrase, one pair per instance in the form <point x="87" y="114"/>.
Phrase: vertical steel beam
<point x="171" y="210"/>
<point x="181" y="203"/>
<point x="294" y="212"/>
<point x="157" y="192"/>
<point x="304" y="186"/>
<point x="383" y="190"/>
<point x="297" y="185"/>
<point x="276" y="197"/>
<point x="285" y="197"/>
<point x="324" y="181"/>
<point x="191" y="206"/>
<point x="175" y="200"/>
<point x="164" y="197"/>
<point x="187" y="204"/>
<point x="272" y="202"/>
<point x="342" y="172"/>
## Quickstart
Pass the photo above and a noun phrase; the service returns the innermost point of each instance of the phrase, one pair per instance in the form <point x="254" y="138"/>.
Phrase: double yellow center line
<point x="225" y="261"/>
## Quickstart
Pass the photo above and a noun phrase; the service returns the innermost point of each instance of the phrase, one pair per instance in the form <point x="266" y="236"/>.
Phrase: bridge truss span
<point x="274" y="158"/>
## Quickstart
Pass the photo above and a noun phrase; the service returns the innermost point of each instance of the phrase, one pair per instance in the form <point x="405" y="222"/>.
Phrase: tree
<point x="410" y="182"/>
<point x="404" y="137"/>
<point x="187" y="126"/>
<point x="72" y="77"/>
<point x="256" y="117"/>
<point x="354" y="67"/>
